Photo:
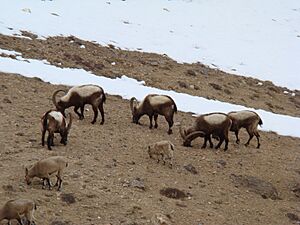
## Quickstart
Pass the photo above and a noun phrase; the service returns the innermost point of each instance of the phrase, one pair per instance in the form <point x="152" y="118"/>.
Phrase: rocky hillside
<point x="110" y="178"/>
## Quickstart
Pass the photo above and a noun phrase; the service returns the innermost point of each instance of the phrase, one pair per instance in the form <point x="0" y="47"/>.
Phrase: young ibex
<point x="55" y="122"/>
<point x="14" y="209"/>
<point x="154" y="105"/>
<point x="44" y="168"/>
<point x="217" y="124"/>
<point x="245" y="119"/>
<point x="163" y="149"/>
<point x="78" y="97"/>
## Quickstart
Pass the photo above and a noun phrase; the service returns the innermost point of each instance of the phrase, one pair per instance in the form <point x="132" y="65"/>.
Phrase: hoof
<point x="102" y="122"/>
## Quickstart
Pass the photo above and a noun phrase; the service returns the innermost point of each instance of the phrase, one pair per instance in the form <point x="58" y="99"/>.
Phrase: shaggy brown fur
<point x="163" y="149"/>
<point x="78" y="98"/>
<point x="248" y="120"/>
<point x="205" y="126"/>
<point x="154" y="105"/>
<point x="53" y="125"/>
<point x="13" y="209"/>
<point x="44" y="168"/>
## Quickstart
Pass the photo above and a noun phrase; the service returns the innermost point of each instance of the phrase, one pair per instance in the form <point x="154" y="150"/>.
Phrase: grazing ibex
<point x="154" y="105"/>
<point x="217" y="124"/>
<point x="163" y="149"/>
<point x="245" y="119"/>
<point x="78" y="97"/>
<point x="14" y="209"/>
<point x="44" y="168"/>
<point x="55" y="122"/>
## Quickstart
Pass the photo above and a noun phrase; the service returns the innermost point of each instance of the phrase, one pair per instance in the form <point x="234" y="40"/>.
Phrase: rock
<point x="49" y="194"/>
<point x="6" y="100"/>
<point x="194" y="87"/>
<point x="293" y="217"/>
<point x="57" y="222"/>
<point x="296" y="190"/>
<point x="221" y="163"/>
<point x="182" y="84"/>
<point x="256" y="185"/>
<point x="191" y="72"/>
<point x="3" y="87"/>
<point x="138" y="183"/>
<point x="68" y="198"/>
<point x="173" y="193"/>
<point x="9" y="188"/>
<point x="190" y="168"/>
<point x="216" y="86"/>
<point x="160" y="219"/>
<point x="153" y="63"/>
<point x="37" y="79"/>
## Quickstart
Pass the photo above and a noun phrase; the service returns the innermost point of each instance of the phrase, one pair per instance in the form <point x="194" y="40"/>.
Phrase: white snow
<point x="253" y="38"/>
<point x="128" y="87"/>
<point x="9" y="52"/>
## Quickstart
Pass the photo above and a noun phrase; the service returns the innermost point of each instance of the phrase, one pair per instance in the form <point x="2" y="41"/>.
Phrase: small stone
<point x="160" y="219"/>
<point x="182" y="84"/>
<point x="154" y="63"/>
<point x="256" y="185"/>
<point x="190" y="168"/>
<point x="293" y="217"/>
<point x="138" y="183"/>
<point x="191" y="72"/>
<point x="221" y="163"/>
<point x="68" y="198"/>
<point x="6" y="100"/>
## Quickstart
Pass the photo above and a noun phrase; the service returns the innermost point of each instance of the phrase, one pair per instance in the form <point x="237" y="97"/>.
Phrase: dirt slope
<point x="107" y="162"/>
<point x="158" y="71"/>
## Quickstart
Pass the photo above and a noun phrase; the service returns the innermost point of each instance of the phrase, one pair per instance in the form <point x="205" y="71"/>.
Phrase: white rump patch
<point x="215" y="119"/>
<point x="158" y="100"/>
<point x="83" y="91"/>
<point x="58" y="116"/>
<point x="242" y="115"/>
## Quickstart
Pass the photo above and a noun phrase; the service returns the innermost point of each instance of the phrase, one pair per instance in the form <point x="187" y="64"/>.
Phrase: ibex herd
<point x="216" y="125"/>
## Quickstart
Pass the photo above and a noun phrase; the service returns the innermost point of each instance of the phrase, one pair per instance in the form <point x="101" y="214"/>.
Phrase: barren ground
<point x="108" y="162"/>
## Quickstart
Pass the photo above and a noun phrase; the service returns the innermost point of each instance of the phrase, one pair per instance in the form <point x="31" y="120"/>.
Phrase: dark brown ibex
<point x="78" y="97"/>
<point x="154" y="105"/>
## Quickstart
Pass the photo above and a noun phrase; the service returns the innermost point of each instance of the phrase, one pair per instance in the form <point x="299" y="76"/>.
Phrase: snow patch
<point x="129" y="87"/>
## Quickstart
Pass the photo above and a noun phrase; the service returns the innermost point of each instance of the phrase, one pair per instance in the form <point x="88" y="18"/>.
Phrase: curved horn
<point x="54" y="97"/>
<point x="195" y="134"/>
<point x="131" y="103"/>
<point x="70" y="122"/>
<point x="188" y="139"/>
